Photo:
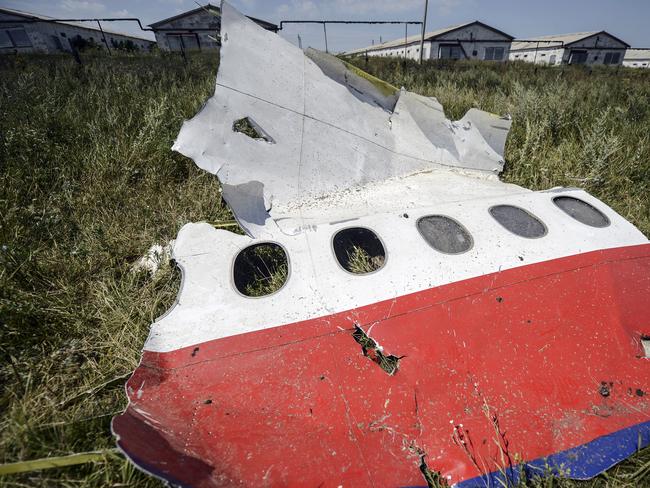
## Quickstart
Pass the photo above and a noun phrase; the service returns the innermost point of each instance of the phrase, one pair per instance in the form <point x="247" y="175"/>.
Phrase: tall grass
<point x="88" y="184"/>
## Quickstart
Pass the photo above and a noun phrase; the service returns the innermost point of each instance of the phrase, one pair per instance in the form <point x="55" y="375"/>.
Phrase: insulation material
<point x="512" y="339"/>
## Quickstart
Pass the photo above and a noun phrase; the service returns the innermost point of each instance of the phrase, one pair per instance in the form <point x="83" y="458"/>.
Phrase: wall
<point x="597" y="48"/>
<point x="50" y="37"/>
<point x="464" y="37"/>
<point x="541" y="56"/>
<point x="199" y="20"/>
<point x="637" y="63"/>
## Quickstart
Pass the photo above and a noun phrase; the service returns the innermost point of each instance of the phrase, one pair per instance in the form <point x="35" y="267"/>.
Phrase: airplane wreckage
<point x="505" y="333"/>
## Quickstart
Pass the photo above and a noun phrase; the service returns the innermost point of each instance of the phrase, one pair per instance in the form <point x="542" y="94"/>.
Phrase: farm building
<point x="580" y="48"/>
<point x="473" y="40"/>
<point x="637" y="58"/>
<point x="23" y="32"/>
<point x="196" y="29"/>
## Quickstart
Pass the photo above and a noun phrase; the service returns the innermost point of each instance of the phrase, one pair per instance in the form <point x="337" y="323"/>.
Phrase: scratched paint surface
<point x="515" y="352"/>
<point x="503" y="362"/>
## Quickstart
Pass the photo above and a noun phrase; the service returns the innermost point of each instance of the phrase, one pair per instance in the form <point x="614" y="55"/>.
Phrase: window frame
<point x="530" y="214"/>
<point x="336" y="259"/>
<point x="596" y="209"/>
<point x="255" y="244"/>
<point x="467" y="232"/>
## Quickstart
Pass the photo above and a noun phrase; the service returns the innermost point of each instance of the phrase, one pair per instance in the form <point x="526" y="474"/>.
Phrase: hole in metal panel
<point x="582" y="211"/>
<point x="444" y="234"/>
<point x="518" y="221"/>
<point x="250" y="128"/>
<point x="388" y="362"/>
<point x="359" y="250"/>
<point x="260" y="269"/>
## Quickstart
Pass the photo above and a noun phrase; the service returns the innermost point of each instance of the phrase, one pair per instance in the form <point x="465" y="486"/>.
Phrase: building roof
<point x="45" y="18"/>
<point x="635" y="53"/>
<point x="428" y="36"/>
<point x="215" y="10"/>
<point x="559" y="40"/>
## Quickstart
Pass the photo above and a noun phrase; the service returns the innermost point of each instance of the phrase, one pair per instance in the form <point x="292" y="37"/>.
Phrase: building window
<point x="450" y="51"/>
<point x="493" y="53"/>
<point x="19" y="38"/>
<point x="578" y="57"/>
<point x="5" y="40"/>
<point x="612" y="58"/>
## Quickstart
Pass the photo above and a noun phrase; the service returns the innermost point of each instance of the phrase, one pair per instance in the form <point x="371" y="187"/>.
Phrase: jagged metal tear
<point x="333" y="130"/>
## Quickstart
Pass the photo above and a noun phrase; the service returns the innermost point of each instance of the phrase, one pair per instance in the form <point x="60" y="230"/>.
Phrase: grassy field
<point x="89" y="184"/>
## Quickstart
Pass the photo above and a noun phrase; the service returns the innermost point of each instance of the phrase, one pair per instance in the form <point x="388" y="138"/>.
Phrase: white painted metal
<point x="346" y="166"/>
<point x="209" y="307"/>
<point x="328" y="135"/>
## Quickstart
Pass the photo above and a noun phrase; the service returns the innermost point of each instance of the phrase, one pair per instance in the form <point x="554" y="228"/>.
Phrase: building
<point x="590" y="48"/>
<point x="637" y="58"/>
<point x="473" y="40"/>
<point x="23" y="32"/>
<point x="196" y="29"/>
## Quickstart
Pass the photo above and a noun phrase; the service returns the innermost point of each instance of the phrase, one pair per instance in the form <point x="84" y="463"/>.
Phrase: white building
<point x="195" y="30"/>
<point x="637" y="58"/>
<point x="23" y="32"/>
<point x="580" y="48"/>
<point x="473" y="40"/>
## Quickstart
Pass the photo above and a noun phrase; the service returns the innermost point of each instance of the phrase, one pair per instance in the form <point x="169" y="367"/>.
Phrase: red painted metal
<point x="498" y="369"/>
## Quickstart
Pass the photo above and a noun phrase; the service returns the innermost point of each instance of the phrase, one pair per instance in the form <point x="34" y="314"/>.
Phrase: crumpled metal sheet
<point x="332" y="130"/>
<point x="516" y="356"/>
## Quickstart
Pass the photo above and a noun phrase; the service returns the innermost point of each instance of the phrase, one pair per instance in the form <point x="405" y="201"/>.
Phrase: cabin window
<point x="5" y="40"/>
<point x="260" y="269"/>
<point x="582" y="211"/>
<point x="518" y="221"/>
<point x="612" y="58"/>
<point x="445" y="234"/>
<point x="494" y="53"/>
<point x="359" y="250"/>
<point x="19" y="37"/>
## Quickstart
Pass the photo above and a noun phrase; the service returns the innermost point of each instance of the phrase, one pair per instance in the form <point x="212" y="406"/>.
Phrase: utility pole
<point x="325" y="32"/>
<point x="424" y="28"/>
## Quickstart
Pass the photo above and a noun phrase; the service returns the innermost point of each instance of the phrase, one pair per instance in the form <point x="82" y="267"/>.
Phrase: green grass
<point x="88" y="184"/>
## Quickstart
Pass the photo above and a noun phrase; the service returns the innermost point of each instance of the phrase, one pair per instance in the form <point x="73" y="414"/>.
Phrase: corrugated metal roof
<point x="637" y="54"/>
<point x="45" y="18"/>
<point x="416" y="38"/>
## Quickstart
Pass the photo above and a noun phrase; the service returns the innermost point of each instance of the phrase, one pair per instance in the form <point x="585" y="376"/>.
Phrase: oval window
<point x="260" y="269"/>
<point x="445" y="234"/>
<point x="582" y="211"/>
<point x="518" y="221"/>
<point x="359" y="250"/>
